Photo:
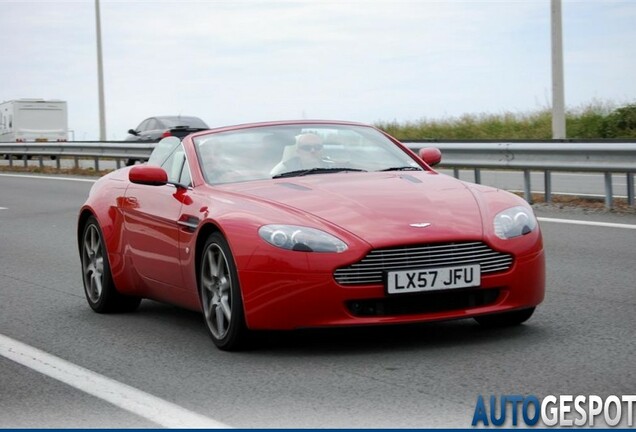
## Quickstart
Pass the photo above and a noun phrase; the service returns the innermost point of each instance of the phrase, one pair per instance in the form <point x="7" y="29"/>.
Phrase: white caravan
<point x="33" y="120"/>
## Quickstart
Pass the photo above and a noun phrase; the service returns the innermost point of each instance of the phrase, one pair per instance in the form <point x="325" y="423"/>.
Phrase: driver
<point x="308" y="155"/>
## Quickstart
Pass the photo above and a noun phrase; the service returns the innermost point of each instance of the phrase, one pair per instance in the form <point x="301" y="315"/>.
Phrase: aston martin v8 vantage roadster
<point x="301" y="224"/>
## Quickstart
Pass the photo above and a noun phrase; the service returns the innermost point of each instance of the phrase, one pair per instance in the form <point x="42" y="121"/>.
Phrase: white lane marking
<point x="591" y="223"/>
<point x="48" y="177"/>
<point x="121" y="395"/>
<point x="586" y="195"/>
<point x="3" y="208"/>
<point x="583" y="174"/>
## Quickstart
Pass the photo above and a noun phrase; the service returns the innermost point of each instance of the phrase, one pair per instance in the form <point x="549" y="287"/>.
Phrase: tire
<point x="99" y="288"/>
<point x="506" y="319"/>
<point x="221" y="295"/>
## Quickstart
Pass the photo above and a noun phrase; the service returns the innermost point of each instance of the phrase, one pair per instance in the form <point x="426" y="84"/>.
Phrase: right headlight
<point x="299" y="238"/>
<point x="514" y="222"/>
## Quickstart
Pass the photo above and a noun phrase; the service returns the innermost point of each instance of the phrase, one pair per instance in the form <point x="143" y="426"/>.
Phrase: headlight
<point x="300" y="238"/>
<point x="514" y="222"/>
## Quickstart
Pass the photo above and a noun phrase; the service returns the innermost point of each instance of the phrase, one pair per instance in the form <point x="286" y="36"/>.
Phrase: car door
<point x="151" y="222"/>
<point x="139" y="136"/>
<point x="152" y="131"/>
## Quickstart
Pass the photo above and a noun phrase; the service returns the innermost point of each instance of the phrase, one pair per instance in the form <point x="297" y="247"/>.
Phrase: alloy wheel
<point x="93" y="263"/>
<point x="216" y="291"/>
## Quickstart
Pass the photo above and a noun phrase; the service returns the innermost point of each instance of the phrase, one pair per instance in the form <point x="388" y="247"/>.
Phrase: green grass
<point x="595" y="121"/>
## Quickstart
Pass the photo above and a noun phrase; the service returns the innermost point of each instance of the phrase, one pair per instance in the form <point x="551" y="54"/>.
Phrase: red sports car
<point x="297" y="224"/>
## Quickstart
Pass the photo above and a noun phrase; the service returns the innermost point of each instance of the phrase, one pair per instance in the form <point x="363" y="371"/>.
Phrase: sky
<point x="232" y="62"/>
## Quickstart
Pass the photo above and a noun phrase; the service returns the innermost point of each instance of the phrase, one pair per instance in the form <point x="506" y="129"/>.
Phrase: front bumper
<point x="291" y="300"/>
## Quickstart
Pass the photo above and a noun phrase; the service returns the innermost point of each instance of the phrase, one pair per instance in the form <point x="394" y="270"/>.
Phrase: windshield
<point x="297" y="150"/>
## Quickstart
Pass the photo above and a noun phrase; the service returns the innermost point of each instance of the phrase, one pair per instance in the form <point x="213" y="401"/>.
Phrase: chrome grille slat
<point x="370" y="269"/>
<point x="421" y="260"/>
<point x="437" y="256"/>
<point x="415" y="250"/>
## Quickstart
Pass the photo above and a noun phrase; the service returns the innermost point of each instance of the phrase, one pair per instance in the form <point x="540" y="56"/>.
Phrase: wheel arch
<point x="81" y="224"/>
<point x="206" y="230"/>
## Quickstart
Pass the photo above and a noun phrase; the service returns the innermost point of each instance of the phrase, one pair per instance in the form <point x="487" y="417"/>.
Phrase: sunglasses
<point x="314" y="147"/>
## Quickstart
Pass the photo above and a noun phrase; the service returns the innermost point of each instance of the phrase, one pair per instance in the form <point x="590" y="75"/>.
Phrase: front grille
<point x="430" y="302"/>
<point x="371" y="268"/>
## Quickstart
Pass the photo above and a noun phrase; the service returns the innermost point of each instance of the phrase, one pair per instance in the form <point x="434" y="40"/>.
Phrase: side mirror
<point x="133" y="132"/>
<point x="148" y="175"/>
<point x="431" y="155"/>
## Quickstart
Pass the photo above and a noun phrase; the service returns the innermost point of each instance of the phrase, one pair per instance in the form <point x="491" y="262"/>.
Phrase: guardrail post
<point x="10" y="160"/>
<point x="477" y="176"/>
<point x="456" y="173"/>
<point x="526" y="186"/>
<point x="118" y="162"/>
<point x="630" y="189"/>
<point x="547" y="182"/>
<point x="96" y="164"/>
<point x="41" y="159"/>
<point x="58" y="162"/>
<point x="608" y="190"/>
<point x="76" y="162"/>
<point x="25" y="159"/>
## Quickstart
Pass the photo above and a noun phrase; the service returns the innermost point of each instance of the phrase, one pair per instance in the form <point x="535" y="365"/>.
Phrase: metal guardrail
<point x="546" y="156"/>
<point x="600" y="157"/>
<point x="96" y="150"/>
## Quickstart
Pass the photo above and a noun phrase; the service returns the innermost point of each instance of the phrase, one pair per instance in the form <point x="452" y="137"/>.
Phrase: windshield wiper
<point x="298" y="173"/>
<point x="401" y="168"/>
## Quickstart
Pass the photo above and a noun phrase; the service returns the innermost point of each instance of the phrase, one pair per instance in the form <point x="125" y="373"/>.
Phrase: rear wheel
<point x="505" y="319"/>
<point x="101" y="294"/>
<point x="221" y="295"/>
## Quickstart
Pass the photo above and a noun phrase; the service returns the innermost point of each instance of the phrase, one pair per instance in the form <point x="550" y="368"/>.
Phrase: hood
<point x="380" y="207"/>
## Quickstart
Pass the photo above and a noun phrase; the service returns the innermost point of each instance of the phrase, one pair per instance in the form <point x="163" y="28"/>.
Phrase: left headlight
<point x="514" y="222"/>
<point x="299" y="238"/>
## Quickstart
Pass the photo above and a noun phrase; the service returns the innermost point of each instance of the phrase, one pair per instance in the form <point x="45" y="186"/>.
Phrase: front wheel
<point x="101" y="294"/>
<point x="505" y="319"/>
<point x="221" y="295"/>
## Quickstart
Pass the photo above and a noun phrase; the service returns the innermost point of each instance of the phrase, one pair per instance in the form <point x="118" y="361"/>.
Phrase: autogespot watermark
<point x="559" y="411"/>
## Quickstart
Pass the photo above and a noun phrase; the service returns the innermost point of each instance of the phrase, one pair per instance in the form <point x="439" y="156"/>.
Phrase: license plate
<point x="410" y="281"/>
<point x="41" y="139"/>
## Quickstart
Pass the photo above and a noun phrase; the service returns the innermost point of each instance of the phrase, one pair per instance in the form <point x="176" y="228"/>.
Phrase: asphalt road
<point x="581" y="340"/>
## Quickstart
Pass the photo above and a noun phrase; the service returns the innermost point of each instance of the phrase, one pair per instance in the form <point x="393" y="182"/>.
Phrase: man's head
<point x="309" y="147"/>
